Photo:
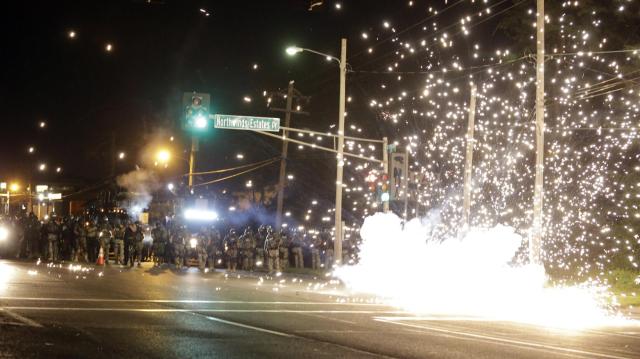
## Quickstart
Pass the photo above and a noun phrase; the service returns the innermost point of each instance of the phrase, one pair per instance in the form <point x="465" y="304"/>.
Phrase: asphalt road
<point x="56" y="311"/>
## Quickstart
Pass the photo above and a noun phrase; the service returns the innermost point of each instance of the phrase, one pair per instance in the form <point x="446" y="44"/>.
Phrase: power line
<point x="237" y="174"/>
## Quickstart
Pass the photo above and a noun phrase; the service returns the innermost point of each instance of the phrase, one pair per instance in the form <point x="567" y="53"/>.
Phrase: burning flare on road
<point x="472" y="276"/>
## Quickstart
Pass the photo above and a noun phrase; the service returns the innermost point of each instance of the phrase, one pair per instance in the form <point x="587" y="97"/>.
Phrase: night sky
<point x="160" y="50"/>
<point x="131" y="96"/>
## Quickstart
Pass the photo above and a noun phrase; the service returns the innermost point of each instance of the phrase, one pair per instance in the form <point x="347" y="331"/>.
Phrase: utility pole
<point x="468" y="167"/>
<point x="283" y="159"/>
<point x="192" y="160"/>
<point x="536" y="237"/>
<point x="291" y="94"/>
<point x="385" y="169"/>
<point x="405" y="182"/>
<point x="337" y="244"/>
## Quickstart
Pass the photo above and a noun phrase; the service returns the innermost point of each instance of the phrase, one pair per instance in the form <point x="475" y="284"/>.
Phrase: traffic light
<point x="196" y="112"/>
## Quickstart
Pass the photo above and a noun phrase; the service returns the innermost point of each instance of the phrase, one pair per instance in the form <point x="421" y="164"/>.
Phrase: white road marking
<point x="328" y="318"/>
<point x="196" y="310"/>
<point x="236" y="324"/>
<point x="185" y="301"/>
<point x="20" y="318"/>
<point x="505" y="341"/>
<point x="294" y="336"/>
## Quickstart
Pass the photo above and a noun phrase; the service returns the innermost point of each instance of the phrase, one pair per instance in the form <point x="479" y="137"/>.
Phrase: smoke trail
<point x="140" y="185"/>
<point x="470" y="276"/>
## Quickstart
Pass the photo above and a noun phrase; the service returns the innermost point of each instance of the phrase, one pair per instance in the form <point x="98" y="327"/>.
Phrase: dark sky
<point x="159" y="51"/>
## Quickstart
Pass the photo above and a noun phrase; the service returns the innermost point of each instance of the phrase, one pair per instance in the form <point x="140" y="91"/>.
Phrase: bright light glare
<point x="200" y="215"/>
<point x="163" y="156"/>
<point x="14" y="187"/>
<point x="193" y="242"/>
<point x="170" y="186"/>
<point x="4" y="234"/>
<point x="201" y="122"/>
<point x="292" y="50"/>
<point x="437" y="277"/>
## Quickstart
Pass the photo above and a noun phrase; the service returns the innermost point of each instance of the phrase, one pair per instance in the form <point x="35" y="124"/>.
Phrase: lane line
<point x="293" y="336"/>
<point x="328" y="318"/>
<point x="186" y="301"/>
<point x="21" y="319"/>
<point x="505" y="341"/>
<point x="204" y="310"/>
<point x="236" y="324"/>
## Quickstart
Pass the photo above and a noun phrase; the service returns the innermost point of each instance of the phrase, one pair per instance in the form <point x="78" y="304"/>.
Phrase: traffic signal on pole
<point x="196" y="111"/>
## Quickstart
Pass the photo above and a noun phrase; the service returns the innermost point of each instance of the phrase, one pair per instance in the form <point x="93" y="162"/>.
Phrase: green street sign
<point x="231" y="122"/>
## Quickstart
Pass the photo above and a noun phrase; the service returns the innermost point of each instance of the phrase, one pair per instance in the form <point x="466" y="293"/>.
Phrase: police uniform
<point x="296" y="250"/>
<point x="272" y="245"/>
<point x="284" y="249"/>
<point x="231" y="250"/>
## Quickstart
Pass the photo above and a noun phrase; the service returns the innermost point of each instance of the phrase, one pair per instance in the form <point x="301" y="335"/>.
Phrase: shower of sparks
<point x="415" y="80"/>
<point x="418" y="85"/>
<point x="473" y="275"/>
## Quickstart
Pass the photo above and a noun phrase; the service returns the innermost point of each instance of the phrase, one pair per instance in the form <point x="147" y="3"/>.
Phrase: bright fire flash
<point x="469" y="276"/>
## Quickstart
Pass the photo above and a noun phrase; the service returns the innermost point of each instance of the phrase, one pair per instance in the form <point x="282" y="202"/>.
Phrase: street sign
<point x="231" y="122"/>
<point x="41" y="188"/>
<point x="53" y="196"/>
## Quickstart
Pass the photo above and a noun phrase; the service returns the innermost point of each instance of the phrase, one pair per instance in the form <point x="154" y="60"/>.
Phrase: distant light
<point x="171" y="138"/>
<point x="42" y="167"/>
<point x="32" y="149"/>
<point x="58" y="169"/>
<point x="288" y="214"/>
<point x="42" y="124"/>
<point x="240" y="156"/>
<point x="170" y="186"/>
<point x="41" y="197"/>
<point x="201" y="122"/>
<point x="292" y="50"/>
<point x="314" y="202"/>
<point x="72" y="34"/>
<point x="121" y="155"/>
<point x="385" y="197"/>
<point x="338" y="6"/>
<point x="290" y="177"/>
<point x="249" y="184"/>
<point x="200" y="215"/>
<point x="193" y="242"/>
<point x="14" y="187"/>
<point x="4" y="234"/>
<point x="247" y="99"/>
<point x="386" y="24"/>
<point x="108" y="47"/>
<point x="255" y="66"/>
<point x="163" y="156"/>
<point x="365" y="35"/>
<point x="232" y="209"/>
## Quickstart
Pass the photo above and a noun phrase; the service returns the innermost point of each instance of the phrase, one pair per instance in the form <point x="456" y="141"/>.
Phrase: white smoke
<point x="468" y="276"/>
<point x="140" y="184"/>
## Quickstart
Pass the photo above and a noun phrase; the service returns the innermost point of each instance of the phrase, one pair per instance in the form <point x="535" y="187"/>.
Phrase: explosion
<point x="474" y="275"/>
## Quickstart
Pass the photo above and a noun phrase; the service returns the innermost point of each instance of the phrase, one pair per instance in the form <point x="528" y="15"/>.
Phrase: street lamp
<point x="292" y="50"/>
<point x="42" y="167"/>
<point x="163" y="156"/>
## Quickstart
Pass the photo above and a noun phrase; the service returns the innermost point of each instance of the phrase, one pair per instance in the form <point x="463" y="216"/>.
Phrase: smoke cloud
<point x="140" y="184"/>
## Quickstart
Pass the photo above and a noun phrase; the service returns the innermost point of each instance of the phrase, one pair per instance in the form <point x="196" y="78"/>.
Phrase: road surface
<point x="55" y="311"/>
